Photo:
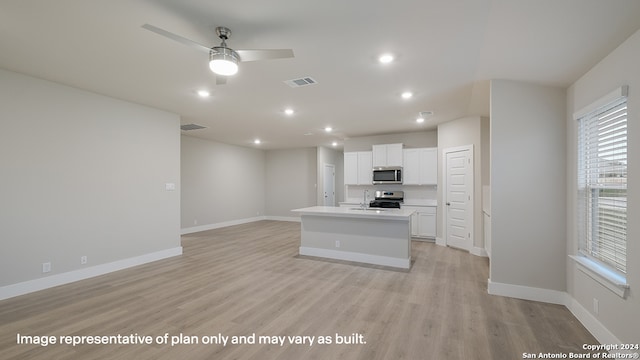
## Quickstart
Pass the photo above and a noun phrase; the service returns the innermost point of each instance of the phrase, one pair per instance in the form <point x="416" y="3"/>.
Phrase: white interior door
<point x="329" y="185"/>
<point x="458" y="197"/>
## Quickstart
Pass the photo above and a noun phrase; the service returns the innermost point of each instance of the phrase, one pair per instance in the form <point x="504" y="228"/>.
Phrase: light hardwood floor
<point x="248" y="279"/>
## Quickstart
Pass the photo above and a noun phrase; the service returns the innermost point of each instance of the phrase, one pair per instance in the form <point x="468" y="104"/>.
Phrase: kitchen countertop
<point x="356" y="212"/>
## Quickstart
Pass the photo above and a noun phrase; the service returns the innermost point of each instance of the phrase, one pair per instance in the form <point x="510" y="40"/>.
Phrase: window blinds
<point x="602" y="184"/>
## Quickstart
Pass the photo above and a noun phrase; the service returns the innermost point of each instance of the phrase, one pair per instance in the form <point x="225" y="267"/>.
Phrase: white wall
<point x="82" y="175"/>
<point x="227" y="184"/>
<point x="415" y="139"/>
<point x="221" y="184"/>
<point x="290" y="181"/>
<point x="618" y="316"/>
<point x="528" y="187"/>
<point x="461" y="132"/>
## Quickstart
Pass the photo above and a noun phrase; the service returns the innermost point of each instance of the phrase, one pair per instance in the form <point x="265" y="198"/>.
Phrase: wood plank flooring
<point x="248" y="279"/>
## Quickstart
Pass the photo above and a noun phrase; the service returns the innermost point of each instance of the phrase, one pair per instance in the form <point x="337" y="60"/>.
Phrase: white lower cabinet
<point x="423" y="221"/>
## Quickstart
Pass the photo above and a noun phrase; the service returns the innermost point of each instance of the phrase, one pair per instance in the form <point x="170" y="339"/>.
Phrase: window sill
<point x="609" y="279"/>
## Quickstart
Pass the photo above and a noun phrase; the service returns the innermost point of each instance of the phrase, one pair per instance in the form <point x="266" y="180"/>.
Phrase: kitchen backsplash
<point x="412" y="194"/>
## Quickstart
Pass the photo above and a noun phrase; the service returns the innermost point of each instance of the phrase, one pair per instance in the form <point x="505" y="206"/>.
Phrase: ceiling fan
<point x="223" y="60"/>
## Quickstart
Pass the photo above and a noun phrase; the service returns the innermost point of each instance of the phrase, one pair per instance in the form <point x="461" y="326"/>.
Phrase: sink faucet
<point x="365" y="194"/>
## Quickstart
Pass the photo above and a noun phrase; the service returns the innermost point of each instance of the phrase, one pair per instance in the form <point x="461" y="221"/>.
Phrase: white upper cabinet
<point x="420" y="166"/>
<point x="387" y="155"/>
<point x="365" y="169"/>
<point x="357" y="168"/>
<point x="379" y="155"/>
<point x="351" y="168"/>
<point x="411" y="167"/>
<point x="429" y="166"/>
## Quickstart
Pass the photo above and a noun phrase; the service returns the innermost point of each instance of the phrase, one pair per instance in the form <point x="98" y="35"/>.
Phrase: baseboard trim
<point x="283" y="218"/>
<point x="30" y="286"/>
<point x="478" y="251"/>
<point x="357" y="257"/>
<point x="528" y="293"/>
<point x="195" y="229"/>
<point x="595" y="327"/>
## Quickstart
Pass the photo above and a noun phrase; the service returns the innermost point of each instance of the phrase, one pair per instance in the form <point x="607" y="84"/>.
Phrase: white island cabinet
<point x="373" y="236"/>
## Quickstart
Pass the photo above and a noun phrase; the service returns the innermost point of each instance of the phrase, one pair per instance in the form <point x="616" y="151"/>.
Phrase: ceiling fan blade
<point x="175" y="37"/>
<point x="221" y="80"/>
<point x="253" y="55"/>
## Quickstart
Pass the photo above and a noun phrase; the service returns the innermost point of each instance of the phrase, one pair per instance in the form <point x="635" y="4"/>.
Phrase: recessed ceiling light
<point x="328" y="129"/>
<point x="257" y="141"/>
<point x="407" y="95"/>
<point x="204" y="93"/>
<point x="385" y="58"/>
<point x="288" y="111"/>
<point x="335" y="143"/>
<point x="420" y="120"/>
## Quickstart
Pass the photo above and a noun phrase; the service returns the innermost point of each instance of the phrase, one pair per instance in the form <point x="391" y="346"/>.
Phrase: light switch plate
<point x="170" y="186"/>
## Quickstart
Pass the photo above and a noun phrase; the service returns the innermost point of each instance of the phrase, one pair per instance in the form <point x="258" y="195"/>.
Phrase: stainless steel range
<point x="387" y="199"/>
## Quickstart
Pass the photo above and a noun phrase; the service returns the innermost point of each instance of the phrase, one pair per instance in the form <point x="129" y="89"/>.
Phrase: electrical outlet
<point x="195" y="221"/>
<point x="337" y="243"/>
<point x="596" y="306"/>
<point x="46" y="267"/>
<point x="83" y="260"/>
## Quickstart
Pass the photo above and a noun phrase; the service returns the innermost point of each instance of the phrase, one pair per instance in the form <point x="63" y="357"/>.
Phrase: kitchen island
<point x="367" y="235"/>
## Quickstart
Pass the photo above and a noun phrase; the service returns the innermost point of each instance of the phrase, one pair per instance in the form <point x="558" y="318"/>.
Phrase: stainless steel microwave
<point x="387" y="175"/>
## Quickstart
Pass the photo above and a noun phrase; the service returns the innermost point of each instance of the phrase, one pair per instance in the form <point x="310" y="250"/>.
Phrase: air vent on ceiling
<point x="301" y="82"/>
<point x="188" y="127"/>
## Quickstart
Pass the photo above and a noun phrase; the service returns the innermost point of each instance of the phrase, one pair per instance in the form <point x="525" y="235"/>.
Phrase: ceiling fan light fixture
<point x="223" y="61"/>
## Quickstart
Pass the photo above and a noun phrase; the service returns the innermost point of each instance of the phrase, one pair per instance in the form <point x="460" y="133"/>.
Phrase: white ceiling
<point x="446" y="51"/>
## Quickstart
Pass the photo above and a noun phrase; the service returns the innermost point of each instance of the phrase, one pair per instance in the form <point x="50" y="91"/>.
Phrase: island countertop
<point x="357" y="212"/>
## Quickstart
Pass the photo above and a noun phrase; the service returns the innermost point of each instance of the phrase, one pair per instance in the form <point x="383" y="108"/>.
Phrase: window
<point x="602" y="182"/>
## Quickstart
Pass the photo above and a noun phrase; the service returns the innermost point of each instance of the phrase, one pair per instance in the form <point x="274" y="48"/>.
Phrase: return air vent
<point x="301" y="82"/>
<point x="188" y="127"/>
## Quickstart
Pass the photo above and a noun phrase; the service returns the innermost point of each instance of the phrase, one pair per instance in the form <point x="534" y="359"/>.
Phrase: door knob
<point x="448" y="203"/>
